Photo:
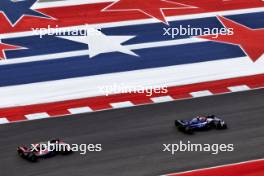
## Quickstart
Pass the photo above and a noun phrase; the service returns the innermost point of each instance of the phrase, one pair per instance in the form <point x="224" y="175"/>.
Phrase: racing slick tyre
<point x="209" y="126"/>
<point x="176" y="123"/>
<point x="188" y="130"/>
<point x="65" y="151"/>
<point x="52" y="153"/>
<point x="20" y="153"/>
<point x="32" y="157"/>
<point x="220" y="125"/>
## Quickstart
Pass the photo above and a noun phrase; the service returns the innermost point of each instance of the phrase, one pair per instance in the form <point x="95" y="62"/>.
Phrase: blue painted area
<point x="15" y="10"/>
<point x="144" y="33"/>
<point x="154" y="32"/>
<point x="252" y="20"/>
<point x="38" y="46"/>
<point x="115" y="62"/>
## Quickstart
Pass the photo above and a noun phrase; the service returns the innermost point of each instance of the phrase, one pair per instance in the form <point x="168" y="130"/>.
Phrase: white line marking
<point x="80" y="110"/>
<point x="162" y="99"/>
<point x="64" y="55"/>
<point x="239" y="88"/>
<point x="122" y="104"/>
<point x="201" y="93"/>
<point x="46" y="57"/>
<point x="37" y="116"/>
<point x="51" y="4"/>
<point x="3" y="120"/>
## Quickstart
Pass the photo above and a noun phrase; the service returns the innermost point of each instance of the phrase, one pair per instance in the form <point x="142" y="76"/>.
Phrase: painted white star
<point x="99" y="43"/>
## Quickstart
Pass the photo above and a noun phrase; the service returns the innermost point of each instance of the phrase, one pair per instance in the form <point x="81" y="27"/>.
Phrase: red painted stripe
<point x="58" y="112"/>
<point x="17" y="117"/>
<point x="103" y="102"/>
<point x="251" y="168"/>
<point x="91" y="14"/>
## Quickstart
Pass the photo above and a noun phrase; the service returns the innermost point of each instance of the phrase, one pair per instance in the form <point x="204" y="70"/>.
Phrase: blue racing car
<point x="200" y="123"/>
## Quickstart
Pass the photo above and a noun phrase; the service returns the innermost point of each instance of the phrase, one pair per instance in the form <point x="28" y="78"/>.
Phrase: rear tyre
<point x="66" y="152"/>
<point x="20" y="153"/>
<point x="188" y="130"/>
<point x="209" y="126"/>
<point x="32" y="157"/>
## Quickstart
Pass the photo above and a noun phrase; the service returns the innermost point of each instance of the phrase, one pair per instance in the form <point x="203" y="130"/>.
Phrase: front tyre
<point x="188" y="130"/>
<point x="221" y="125"/>
<point x="177" y="123"/>
<point x="32" y="157"/>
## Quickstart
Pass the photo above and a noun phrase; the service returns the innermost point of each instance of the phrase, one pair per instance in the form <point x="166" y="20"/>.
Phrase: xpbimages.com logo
<point x="191" y="147"/>
<point x="62" y="147"/>
<point x="84" y="30"/>
<point x="138" y="89"/>
<point x="193" y="31"/>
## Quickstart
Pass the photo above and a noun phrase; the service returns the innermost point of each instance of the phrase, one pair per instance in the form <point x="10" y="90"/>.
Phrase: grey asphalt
<point x="132" y="138"/>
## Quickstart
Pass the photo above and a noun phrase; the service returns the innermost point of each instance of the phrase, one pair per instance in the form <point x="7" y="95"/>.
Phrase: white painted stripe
<point x="238" y="88"/>
<point x="122" y="104"/>
<point x="3" y="120"/>
<point x="201" y="93"/>
<point x="144" y="21"/>
<point x="45" y="57"/>
<point x="162" y="99"/>
<point x="91" y="86"/>
<point x="49" y="4"/>
<point x="80" y="110"/>
<point x="86" y="52"/>
<point x="37" y="116"/>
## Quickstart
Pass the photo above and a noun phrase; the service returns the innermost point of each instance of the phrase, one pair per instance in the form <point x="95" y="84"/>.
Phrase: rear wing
<point x="22" y="148"/>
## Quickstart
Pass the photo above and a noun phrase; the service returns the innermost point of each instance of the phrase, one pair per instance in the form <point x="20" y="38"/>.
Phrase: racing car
<point x="41" y="150"/>
<point x="200" y="123"/>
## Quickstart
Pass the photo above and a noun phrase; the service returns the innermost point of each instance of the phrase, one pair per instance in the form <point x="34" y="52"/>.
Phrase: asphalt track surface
<point x="132" y="138"/>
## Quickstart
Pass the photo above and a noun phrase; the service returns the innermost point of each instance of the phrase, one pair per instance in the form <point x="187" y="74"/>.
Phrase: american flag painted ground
<point x="58" y="75"/>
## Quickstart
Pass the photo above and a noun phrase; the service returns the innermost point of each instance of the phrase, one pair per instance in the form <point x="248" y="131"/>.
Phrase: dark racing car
<point x="43" y="150"/>
<point x="200" y="123"/>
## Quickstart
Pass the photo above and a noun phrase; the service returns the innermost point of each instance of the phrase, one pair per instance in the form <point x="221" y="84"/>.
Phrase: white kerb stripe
<point x="80" y="110"/>
<point x="37" y="116"/>
<point x="122" y="104"/>
<point x="3" y="120"/>
<point x="162" y="99"/>
<point x="238" y="88"/>
<point x="201" y="93"/>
